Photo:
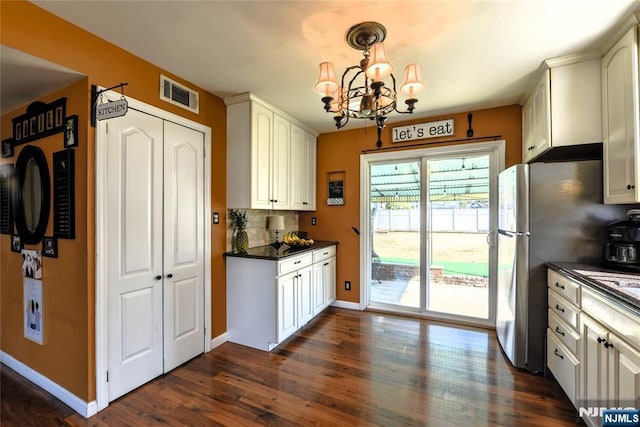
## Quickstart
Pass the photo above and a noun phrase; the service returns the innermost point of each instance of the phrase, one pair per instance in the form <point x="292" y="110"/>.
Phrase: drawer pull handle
<point x="608" y="345"/>
<point x="559" y="285"/>
<point x="600" y="340"/>
<point x="326" y="263"/>
<point x="558" y="354"/>
<point x="298" y="262"/>
<point x="559" y="331"/>
<point x="559" y="308"/>
<point x="325" y="253"/>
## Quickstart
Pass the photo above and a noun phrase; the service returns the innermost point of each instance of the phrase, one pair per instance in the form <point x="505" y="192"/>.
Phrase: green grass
<point x="448" y="267"/>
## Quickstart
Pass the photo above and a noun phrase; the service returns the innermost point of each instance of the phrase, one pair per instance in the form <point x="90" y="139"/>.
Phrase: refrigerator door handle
<point x="513" y="233"/>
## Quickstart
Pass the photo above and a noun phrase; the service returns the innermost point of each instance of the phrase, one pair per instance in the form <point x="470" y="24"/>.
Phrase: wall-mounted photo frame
<point x="16" y="244"/>
<point x="335" y="181"/>
<point x="50" y="247"/>
<point x="7" y="148"/>
<point x="71" y="132"/>
<point x="32" y="264"/>
<point x="33" y="304"/>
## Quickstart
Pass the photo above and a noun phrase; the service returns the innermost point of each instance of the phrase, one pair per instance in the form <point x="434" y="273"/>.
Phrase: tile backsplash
<point x="257" y="230"/>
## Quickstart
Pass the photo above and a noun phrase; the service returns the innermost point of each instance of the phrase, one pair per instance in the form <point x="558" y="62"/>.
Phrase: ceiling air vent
<point x="178" y="94"/>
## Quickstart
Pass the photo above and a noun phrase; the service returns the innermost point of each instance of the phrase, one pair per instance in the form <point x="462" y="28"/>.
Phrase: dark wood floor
<point x="345" y="368"/>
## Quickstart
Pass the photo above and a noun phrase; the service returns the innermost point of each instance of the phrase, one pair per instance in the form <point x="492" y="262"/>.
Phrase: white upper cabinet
<point x="270" y="158"/>
<point x="564" y="108"/>
<point x="303" y="170"/>
<point x="621" y="121"/>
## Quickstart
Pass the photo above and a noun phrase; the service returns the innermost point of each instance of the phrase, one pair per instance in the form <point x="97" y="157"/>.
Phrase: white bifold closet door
<point x="155" y="255"/>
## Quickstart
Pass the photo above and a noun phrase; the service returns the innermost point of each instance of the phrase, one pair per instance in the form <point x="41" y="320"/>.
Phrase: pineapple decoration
<point x="239" y="222"/>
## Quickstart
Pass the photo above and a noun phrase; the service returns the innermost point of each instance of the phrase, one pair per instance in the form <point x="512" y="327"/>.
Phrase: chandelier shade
<point x="379" y="67"/>
<point x="327" y="79"/>
<point x="368" y="89"/>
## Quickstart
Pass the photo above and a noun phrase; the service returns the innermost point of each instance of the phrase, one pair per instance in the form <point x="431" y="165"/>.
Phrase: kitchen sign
<point x="112" y="109"/>
<point x="422" y="131"/>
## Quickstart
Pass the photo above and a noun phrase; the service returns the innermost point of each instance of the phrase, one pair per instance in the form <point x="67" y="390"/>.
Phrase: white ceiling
<point x="474" y="53"/>
<point x="25" y="78"/>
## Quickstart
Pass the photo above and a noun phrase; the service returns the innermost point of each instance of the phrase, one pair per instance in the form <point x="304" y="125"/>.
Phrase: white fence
<point x="449" y="219"/>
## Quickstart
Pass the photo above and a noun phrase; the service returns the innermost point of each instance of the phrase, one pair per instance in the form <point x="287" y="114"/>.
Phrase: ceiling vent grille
<point x="175" y="93"/>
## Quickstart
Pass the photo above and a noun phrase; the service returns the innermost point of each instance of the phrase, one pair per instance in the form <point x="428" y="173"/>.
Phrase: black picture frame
<point x="7" y="148"/>
<point x="50" y="247"/>
<point x="71" y="131"/>
<point x="16" y="243"/>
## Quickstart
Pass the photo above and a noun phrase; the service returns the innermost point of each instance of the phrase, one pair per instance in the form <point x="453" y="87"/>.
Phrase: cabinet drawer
<point x="564" y="286"/>
<point x="563" y="365"/>
<point x="324" y="253"/>
<point x="623" y="322"/>
<point x="293" y="264"/>
<point x="564" y="309"/>
<point x="564" y="333"/>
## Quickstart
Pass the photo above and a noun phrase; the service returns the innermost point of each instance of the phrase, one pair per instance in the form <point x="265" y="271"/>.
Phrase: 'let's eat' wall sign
<point x="422" y="131"/>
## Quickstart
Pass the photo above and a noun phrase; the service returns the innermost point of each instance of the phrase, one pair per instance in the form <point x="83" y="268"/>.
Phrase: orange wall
<point x="67" y="333"/>
<point x="340" y="151"/>
<point x="68" y="354"/>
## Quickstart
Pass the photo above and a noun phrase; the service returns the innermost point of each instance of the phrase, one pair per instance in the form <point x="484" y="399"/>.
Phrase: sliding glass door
<point x="428" y="247"/>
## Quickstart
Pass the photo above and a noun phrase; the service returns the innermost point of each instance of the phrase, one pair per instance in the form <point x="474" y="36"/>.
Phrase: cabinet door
<point x="287" y="307"/>
<point x="594" y="364"/>
<point x="310" y="144"/>
<point x="527" y="130"/>
<point x="329" y="268"/>
<point x="620" y="120"/>
<point x="298" y="168"/>
<point x="261" y="143"/>
<point x="281" y="163"/>
<point x="318" y="288"/>
<point x="303" y="170"/>
<point x="624" y="374"/>
<point x="541" y="116"/>
<point x="305" y="295"/>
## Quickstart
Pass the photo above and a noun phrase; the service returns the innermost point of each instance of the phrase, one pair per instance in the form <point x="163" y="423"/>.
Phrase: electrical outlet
<point x="347" y="285"/>
<point x="216" y="218"/>
<point x="313" y="220"/>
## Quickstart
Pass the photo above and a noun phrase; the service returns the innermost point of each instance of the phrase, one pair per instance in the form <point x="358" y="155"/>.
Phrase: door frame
<point x="101" y="177"/>
<point x="496" y="149"/>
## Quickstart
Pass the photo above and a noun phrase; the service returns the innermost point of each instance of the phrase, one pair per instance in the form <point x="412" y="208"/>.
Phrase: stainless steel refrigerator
<point x="547" y="212"/>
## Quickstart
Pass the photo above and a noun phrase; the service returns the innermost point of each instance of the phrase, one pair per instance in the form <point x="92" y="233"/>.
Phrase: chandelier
<point x="367" y="90"/>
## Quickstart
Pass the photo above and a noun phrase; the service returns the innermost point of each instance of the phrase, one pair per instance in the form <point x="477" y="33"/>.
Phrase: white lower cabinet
<point x="268" y="301"/>
<point x="596" y="362"/>
<point x="324" y="276"/>
<point x="295" y="296"/>
<point x="610" y="373"/>
<point x="563" y="337"/>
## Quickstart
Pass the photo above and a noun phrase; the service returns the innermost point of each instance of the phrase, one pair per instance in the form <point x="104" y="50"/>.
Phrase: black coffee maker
<point x="622" y="251"/>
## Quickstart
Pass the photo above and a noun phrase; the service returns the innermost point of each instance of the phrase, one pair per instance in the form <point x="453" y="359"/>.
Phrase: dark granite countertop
<point x="270" y="253"/>
<point x="628" y="297"/>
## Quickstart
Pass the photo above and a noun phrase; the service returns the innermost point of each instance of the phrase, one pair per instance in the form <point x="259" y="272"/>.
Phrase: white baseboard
<point x="86" y="409"/>
<point x="219" y="340"/>
<point x="346" y="304"/>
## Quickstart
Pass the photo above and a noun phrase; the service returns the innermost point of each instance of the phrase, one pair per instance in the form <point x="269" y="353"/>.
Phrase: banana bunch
<point x="292" y="239"/>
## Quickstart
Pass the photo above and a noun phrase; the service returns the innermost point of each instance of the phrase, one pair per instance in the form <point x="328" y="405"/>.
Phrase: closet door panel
<point x="184" y="244"/>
